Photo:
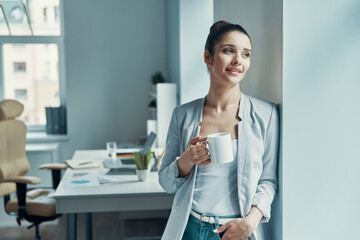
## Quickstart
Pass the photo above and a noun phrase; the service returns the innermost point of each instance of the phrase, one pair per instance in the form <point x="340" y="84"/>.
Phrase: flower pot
<point x="142" y="174"/>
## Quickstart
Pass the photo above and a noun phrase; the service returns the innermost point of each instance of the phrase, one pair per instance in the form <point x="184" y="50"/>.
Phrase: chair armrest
<point x="55" y="171"/>
<point x="53" y="166"/>
<point x="23" y="179"/>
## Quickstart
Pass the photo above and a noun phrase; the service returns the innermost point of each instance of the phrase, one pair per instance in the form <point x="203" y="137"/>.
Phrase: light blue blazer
<point x="258" y="138"/>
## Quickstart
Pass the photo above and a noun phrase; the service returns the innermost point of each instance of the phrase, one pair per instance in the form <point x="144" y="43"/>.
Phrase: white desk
<point x="127" y="195"/>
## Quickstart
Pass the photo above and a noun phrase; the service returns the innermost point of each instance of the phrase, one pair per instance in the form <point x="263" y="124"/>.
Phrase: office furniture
<point x="128" y="194"/>
<point x="39" y="154"/>
<point x="37" y="205"/>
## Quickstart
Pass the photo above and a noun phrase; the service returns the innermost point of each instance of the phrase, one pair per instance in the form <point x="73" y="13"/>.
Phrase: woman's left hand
<point x="239" y="229"/>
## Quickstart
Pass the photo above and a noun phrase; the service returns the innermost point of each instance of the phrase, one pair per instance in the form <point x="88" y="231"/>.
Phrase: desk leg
<point x="89" y="235"/>
<point x="71" y="226"/>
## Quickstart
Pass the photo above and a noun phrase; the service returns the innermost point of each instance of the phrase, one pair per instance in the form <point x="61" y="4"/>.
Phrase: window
<point x="20" y="94"/>
<point x="42" y="81"/>
<point x="57" y="13"/>
<point x="30" y="18"/>
<point x="31" y="57"/>
<point x="45" y="14"/>
<point x="19" y="67"/>
<point x="16" y="14"/>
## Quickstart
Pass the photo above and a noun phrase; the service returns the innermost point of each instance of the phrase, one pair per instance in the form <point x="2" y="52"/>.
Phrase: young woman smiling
<point x="226" y="201"/>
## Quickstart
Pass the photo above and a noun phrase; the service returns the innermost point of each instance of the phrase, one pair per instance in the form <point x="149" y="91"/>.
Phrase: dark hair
<point x="218" y="30"/>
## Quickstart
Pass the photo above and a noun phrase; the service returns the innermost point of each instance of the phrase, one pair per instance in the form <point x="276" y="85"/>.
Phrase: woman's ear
<point x="207" y="58"/>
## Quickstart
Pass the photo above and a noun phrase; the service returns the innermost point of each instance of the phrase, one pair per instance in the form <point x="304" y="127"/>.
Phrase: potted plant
<point x="142" y="160"/>
<point x="156" y="78"/>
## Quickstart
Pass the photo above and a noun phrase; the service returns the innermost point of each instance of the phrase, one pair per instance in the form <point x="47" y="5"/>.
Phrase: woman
<point x="222" y="200"/>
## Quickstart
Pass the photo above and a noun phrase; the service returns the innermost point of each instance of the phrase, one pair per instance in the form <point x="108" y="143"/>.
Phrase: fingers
<point x="200" y="154"/>
<point x="207" y="162"/>
<point x="221" y="229"/>
<point x="235" y="229"/>
<point x="197" y="139"/>
<point x="199" y="149"/>
<point x="199" y="159"/>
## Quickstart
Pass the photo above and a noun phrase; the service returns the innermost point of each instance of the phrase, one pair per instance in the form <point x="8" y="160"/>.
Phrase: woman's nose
<point x="236" y="60"/>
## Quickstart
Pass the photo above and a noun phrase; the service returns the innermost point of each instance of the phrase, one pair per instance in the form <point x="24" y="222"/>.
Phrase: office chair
<point x="36" y="205"/>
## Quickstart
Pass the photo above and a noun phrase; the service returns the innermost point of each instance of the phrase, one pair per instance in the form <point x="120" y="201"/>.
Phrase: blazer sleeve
<point x="169" y="178"/>
<point x="268" y="183"/>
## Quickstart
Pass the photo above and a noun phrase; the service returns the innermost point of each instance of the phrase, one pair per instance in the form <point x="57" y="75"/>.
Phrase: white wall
<point x="321" y="120"/>
<point x="112" y="48"/>
<point x="172" y="14"/>
<point x="188" y="24"/>
<point x="196" y="18"/>
<point x="263" y="22"/>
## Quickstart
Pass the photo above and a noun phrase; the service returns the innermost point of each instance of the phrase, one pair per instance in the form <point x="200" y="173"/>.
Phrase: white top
<point x="216" y="190"/>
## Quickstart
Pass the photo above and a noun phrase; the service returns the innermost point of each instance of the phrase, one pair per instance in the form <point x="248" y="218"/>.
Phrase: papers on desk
<point x="81" y="178"/>
<point x="82" y="163"/>
<point x="107" y="179"/>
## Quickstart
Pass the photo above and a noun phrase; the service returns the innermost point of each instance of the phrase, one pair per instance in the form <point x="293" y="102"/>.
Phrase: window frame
<point x="59" y="40"/>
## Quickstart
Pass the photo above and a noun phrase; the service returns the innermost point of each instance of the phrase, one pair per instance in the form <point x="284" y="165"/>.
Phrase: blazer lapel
<point x="196" y="128"/>
<point x="198" y="118"/>
<point x="241" y="153"/>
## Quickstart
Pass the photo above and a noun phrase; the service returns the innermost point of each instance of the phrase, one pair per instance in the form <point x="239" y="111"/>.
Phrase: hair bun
<point x="217" y="25"/>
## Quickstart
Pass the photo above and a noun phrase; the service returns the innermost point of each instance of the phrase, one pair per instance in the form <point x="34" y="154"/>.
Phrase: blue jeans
<point x="198" y="230"/>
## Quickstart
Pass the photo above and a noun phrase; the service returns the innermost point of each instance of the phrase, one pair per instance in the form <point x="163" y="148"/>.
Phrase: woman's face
<point x="231" y="58"/>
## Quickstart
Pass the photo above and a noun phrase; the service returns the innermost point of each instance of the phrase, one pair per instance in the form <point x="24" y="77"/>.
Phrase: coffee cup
<point x="220" y="147"/>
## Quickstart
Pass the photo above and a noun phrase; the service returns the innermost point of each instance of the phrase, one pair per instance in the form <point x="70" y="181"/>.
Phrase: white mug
<point x="220" y="147"/>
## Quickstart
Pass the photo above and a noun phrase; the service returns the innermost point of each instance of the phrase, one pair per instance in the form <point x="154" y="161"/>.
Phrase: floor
<point x="106" y="226"/>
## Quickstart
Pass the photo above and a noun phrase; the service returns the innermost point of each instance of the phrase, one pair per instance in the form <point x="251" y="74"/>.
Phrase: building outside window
<point x="21" y="94"/>
<point x="16" y="13"/>
<point x="57" y="13"/>
<point x="19" y="67"/>
<point x="45" y="14"/>
<point x="31" y="49"/>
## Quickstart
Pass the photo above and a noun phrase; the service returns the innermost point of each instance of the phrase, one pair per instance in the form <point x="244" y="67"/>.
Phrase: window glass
<point x="31" y="76"/>
<point x="30" y="17"/>
<point x="21" y="94"/>
<point x="19" y="67"/>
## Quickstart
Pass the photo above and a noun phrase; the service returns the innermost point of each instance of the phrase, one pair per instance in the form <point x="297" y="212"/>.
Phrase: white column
<point x="166" y="102"/>
<point x="188" y="24"/>
<point x="321" y="119"/>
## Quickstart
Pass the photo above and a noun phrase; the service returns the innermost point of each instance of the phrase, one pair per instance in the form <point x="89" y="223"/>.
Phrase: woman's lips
<point x="233" y="71"/>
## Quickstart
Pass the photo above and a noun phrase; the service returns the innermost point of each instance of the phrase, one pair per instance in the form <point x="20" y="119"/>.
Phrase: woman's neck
<point x="223" y="99"/>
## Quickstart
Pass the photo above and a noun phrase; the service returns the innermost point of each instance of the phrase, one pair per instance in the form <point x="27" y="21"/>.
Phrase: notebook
<point x="82" y="163"/>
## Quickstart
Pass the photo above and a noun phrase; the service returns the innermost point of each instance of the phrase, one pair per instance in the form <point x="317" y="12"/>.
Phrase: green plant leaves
<point x="142" y="160"/>
<point x="157" y="77"/>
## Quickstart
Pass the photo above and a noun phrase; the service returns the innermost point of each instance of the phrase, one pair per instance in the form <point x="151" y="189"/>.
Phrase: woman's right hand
<point x="196" y="154"/>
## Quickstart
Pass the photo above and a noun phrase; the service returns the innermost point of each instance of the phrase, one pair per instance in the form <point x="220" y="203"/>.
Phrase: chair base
<point x="37" y="231"/>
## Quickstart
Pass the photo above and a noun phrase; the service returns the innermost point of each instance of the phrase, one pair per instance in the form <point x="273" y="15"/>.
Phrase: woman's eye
<point x="246" y="54"/>
<point x="228" y="50"/>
